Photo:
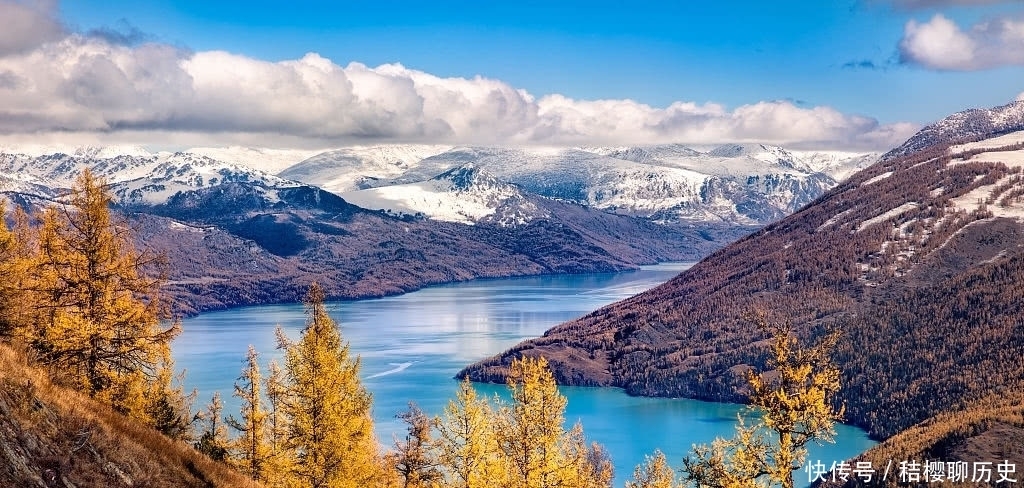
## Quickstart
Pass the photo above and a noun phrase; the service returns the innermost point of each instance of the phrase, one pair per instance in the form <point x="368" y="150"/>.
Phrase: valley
<point x="391" y="219"/>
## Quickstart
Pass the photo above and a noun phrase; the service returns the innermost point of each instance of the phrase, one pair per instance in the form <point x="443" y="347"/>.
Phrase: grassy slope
<point x="53" y="436"/>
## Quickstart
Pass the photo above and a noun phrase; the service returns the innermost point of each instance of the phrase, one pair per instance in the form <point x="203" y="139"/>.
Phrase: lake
<point x="412" y="345"/>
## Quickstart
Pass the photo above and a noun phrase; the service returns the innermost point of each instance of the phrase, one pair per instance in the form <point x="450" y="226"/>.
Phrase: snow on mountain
<point x="142" y="178"/>
<point x="672" y="182"/>
<point x="741" y="183"/>
<point x="60" y="170"/>
<point x="837" y="164"/>
<point x="969" y="124"/>
<point x="268" y="160"/>
<point x="95" y="152"/>
<point x="359" y="167"/>
<point x="463" y="194"/>
<point x="182" y="172"/>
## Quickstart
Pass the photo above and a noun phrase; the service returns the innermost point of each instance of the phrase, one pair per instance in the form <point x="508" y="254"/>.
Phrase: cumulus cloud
<point x="87" y="85"/>
<point x="942" y="45"/>
<point x="28" y="24"/>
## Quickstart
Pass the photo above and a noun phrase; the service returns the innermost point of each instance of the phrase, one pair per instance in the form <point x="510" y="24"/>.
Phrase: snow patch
<point x="876" y="179"/>
<point x="887" y="215"/>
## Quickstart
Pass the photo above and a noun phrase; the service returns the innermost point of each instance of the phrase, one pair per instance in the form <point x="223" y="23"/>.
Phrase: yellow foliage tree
<point x="251" y="450"/>
<point x="328" y="409"/>
<point x="99" y="321"/>
<point x="279" y="460"/>
<point x="795" y="403"/>
<point x="655" y="472"/>
<point x="468" y="449"/>
<point x="16" y="253"/>
<point x="416" y="457"/>
<point x="535" y="447"/>
<point x="213" y="440"/>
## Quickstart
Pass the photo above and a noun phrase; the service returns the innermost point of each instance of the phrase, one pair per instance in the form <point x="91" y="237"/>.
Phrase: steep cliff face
<point x="54" y="437"/>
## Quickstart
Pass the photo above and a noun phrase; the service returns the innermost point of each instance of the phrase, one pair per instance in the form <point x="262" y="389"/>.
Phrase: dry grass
<point x="53" y="436"/>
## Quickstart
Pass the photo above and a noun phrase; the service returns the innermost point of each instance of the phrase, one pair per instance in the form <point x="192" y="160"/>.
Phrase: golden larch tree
<point x="796" y="407"/>
<point x="16" y="254"/>
<point x="655" y="472"/>
<point x="251" y="449"/>
<point x="415" y="457"/>
<point x="213" y="440"/>
<point x="535" y="447"/>
<point x="328" y="409"/>
<point x="467" y="446"/>
<point x="99" y="323"/>
<point x="279" y="463"/>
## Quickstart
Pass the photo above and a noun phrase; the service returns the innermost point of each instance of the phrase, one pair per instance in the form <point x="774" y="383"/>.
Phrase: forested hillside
<point x="918" y="261"/>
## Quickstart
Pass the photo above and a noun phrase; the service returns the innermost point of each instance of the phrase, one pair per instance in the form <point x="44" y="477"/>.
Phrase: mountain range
<point x="243" y="226"/>
<point x="918" y="260"/>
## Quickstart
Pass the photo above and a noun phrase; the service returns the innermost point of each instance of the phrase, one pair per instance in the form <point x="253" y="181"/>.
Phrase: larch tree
<point x="328" y="409"/>
<point x="416" y="457"/>
<point x="169" y="409"/>
<point x="536" y="449"/>
<point x="16" y="253"/>
<point x="279" y="462"/>
<point x="213" y="440"/>
<point x="467" y="446"/>
<point x="99" y="323"/>
<point x="655" y="472"/>
<point x="251" y="449"/>
<point x="796" y="407"/>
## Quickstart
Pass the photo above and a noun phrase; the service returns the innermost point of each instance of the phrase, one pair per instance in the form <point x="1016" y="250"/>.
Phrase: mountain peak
<point x="964" y="126"/>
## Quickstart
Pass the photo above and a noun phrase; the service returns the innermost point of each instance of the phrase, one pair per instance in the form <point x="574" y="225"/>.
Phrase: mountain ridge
<point x="916" y="250"/>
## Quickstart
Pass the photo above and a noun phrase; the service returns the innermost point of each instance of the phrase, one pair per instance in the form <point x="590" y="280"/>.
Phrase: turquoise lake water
<point x="412" y="345"/>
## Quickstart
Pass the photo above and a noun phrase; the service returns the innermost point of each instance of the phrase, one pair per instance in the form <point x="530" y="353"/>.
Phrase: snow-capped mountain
<point x="184" y="172"/>
<point x="734" y="183"/>
<point x="269" y="160"/>
<point x="745" y="184"/>
<point x="463" y="194"/>
<point x="975" y="123"/>
<point x="140" y="178"/>
<point x="359" y="167"/>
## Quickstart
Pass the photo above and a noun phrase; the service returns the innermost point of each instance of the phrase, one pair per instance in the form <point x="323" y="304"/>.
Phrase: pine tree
<point x="213" y="441"/>
<point x="99" y="324"/>
<point x="252" y="448"/>
<point x="467" y="446"/>
<point x="416" y="458"/>
<point x="328" y="409"/>
<point x="796" y="408"/>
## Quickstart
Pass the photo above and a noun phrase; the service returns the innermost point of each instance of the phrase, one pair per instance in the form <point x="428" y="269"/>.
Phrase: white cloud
<point x="89" y="88"/>
<point x="27" y="24"/>
<point x="1020" y="97"/>
<point x="942" y="45"/>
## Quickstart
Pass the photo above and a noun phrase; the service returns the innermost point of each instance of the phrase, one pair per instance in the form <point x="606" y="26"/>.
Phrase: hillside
<point x="988" y="430"/>
<point x="918" y="259"/>
<point x="235" y="235"/>
<point x="51" y="436"/>
<point x="230" y="245"/>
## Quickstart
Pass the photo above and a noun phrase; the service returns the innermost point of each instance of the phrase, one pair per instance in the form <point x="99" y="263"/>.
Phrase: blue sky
<point x="857" y="58"/>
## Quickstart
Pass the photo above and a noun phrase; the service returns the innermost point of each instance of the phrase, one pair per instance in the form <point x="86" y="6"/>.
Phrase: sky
<point x="843" y="74"/>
